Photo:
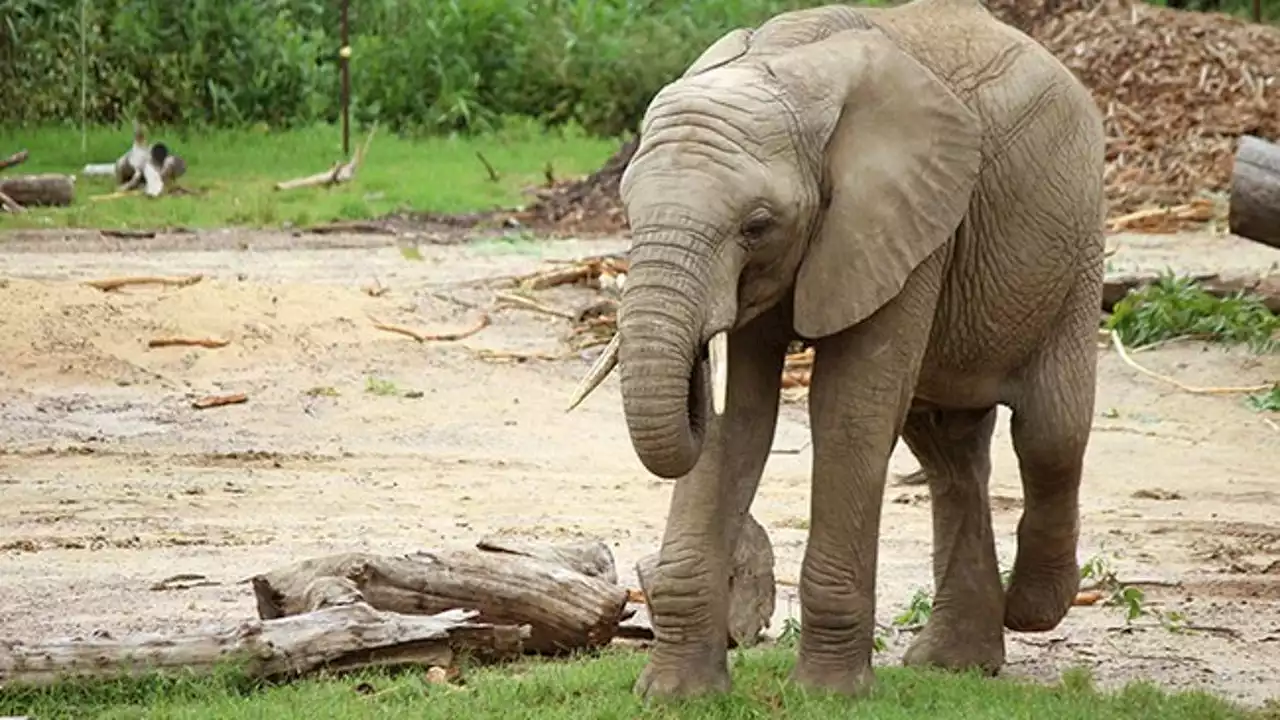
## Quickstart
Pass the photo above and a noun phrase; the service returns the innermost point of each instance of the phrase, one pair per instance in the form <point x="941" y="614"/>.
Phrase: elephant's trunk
<point x="661" y="320"/>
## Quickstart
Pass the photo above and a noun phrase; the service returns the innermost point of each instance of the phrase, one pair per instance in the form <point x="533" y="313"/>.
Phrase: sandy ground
<point x="111" y="482"/>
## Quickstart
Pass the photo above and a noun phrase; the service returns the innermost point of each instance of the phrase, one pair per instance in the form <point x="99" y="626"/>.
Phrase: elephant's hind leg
<point x="1052" y="418"/>
<point x="689" y="588"/>
<point x="966" y="629"/>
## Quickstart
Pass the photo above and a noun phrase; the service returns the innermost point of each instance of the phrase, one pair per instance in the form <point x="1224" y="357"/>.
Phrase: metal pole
<point x="344" y="58"/>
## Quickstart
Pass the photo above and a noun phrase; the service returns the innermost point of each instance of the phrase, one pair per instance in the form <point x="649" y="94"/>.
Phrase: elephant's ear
<point x="731" y="46"/>
<point x="902" y="158"/>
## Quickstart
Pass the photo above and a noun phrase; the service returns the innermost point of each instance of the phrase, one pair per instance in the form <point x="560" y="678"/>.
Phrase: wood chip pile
<point x="1177" y="88"/>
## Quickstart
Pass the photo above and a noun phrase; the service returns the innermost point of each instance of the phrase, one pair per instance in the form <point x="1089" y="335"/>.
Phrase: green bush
<point x="418" y="65"/>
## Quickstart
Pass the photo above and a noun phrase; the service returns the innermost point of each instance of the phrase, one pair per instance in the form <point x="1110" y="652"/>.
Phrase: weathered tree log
<point x="347" y="637"/>
<point x="1254" y="210"/>
<point x="565" y="609"/>
<point x="32" y="190"/>
<point x="589" y="557"/>
<point x="752" y="587"/>
<point x="1266" y="287"/>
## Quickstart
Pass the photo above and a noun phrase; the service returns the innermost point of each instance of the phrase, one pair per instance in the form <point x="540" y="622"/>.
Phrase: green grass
<point x="601" y="688"/>
<point x="234" y="171"/>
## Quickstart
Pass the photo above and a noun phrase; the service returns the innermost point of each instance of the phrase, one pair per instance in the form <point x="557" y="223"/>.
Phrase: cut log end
<point x="1255" y="192"/>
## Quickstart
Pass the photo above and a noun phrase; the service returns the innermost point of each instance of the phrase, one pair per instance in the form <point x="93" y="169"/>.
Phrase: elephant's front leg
<point x="862" y="384"/>
<point x="689" y="594"/>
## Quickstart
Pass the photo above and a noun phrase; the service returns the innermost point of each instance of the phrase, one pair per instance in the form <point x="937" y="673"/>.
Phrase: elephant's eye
<point x="757" y="224"/>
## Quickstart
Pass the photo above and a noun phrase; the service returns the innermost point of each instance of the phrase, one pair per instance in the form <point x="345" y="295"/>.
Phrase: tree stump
<point x="33" y="190"/>
<point x="1255" y="192"/>
<point x="565" y="608"/>
<point x="752" y="587"/>
<point x="343" y="637"/>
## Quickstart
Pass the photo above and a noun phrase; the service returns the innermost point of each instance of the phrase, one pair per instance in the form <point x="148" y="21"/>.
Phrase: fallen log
<point x="1266" y="287"/>
<point x="752" y="586"/>
<point x="589" y="557"/>
<point x="345" y="637"/>
<point x="1254" y="205"/>
<point x="33" y="190"/>
<point x="566" y="609"/>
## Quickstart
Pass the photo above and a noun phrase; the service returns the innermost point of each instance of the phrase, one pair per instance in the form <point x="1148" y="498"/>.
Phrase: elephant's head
<point x="824" y="172"/>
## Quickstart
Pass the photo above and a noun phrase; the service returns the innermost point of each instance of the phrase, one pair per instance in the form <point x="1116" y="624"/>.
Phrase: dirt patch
<point x="358" y="439"/>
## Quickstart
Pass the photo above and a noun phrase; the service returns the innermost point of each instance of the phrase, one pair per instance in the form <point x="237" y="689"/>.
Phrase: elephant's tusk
<point x="600" y="369"/>
<point x="718" y="349"/>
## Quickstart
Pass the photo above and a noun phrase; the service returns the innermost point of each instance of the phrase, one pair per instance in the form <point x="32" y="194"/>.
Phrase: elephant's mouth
<point x="698" y="397"/>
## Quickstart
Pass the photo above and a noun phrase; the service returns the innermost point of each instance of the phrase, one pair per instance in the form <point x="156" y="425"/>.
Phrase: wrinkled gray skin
<point x="918" y="190"/>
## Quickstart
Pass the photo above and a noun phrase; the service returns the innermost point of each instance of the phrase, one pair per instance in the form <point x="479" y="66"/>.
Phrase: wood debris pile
<point x="1177" y="89"/>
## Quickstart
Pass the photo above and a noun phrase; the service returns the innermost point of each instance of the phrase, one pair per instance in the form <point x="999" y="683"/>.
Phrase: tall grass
<point x="424" y="66"/>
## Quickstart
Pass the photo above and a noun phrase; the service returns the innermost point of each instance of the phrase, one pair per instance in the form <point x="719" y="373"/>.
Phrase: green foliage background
<point x="421" y="66"/>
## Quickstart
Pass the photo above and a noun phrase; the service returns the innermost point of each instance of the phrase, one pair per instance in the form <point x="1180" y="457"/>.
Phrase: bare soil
<point x="112" y="482"/>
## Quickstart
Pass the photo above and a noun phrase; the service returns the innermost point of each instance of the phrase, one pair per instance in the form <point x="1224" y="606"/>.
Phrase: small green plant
<point x="1176" y="306"/>
<point x="918" y="612"/>
<point x="323" y="391"/>
<point x="378" y="386"/>
<point x="1268" y="401"/>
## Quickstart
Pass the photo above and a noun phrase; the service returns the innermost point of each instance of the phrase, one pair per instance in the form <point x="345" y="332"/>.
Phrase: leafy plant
<point x="1175" y="306"/>
<point x="1268" y="401"/>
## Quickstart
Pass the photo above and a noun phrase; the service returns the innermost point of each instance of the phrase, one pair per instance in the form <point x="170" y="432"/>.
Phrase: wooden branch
<point x="111" y="284"/>
<point x="187" y="341"/>
<point x="1255" y="192"/>
<point x="49" y="189"/>
<point x="214" y="401"/>
<point x="10" y="205"/>
<point x="565" y="609"/>
<point x="422" y="336"/>
<point x="535" y="306"/>
<point x="752" y="586"/>
<point x="1267" y="287"/>
<point x="346" y="637"/>
<point x="1124" y="355"/>
<point x="15" y="159"/>
<point x="337" y="174"/>
<point x="1164" y="219"/>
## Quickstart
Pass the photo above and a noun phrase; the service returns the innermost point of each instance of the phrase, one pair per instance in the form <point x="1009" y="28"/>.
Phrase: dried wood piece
<point x="752" y="587"/>
<point x="592" y="558"/>
<point x="565" y="609"/>
<point x="48" y="189"/>
<point x="349" y="226"/>
<point x="336" y="175"/>
<point x="111" y="284"/>
<point x="187" y="341"/>
<point x="342" y="638"/>
<point x="1163" y="219"/>
<point x="422" y="336"/>
<point x="15" y="159"/>
<point x="1124" y="355"/>
<point x="214" y="401"/>
<point x="1255" y="192"/>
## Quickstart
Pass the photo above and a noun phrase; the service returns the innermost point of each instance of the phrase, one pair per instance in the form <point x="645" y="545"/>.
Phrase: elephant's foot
<point x="664" y="679"/>
<point x="852" y="679"/>
<point x="1037" y="600"/>
<point x="955" y="645"/>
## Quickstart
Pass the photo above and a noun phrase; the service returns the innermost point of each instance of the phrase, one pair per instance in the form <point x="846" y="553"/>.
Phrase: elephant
<point x="917" y="191"/>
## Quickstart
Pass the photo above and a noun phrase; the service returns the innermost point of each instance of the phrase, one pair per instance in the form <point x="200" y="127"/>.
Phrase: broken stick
<point x="1124" y="355"/>
<point x="214" y="401"/>
<point x="188" y="341"/>
<point x="111" y="284"/>
<point x="10" y="205"/>
<point x="422" y="336"/>
<point x="337" y="174"/>
<point x="15" y="159"/>
<point x="345" y="637"/>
